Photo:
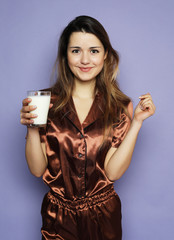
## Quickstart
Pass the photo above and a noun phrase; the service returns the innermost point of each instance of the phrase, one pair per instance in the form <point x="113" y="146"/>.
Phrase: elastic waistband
<point x="81" y="203"/>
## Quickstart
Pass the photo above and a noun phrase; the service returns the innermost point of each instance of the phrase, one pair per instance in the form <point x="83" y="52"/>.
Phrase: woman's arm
<point x="35" y="153"/>
<point x="118" y="159"/>
<point x="35" y="150"/>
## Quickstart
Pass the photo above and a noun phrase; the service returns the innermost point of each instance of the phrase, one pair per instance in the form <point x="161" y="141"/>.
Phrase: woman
<point x="89" y="138"/>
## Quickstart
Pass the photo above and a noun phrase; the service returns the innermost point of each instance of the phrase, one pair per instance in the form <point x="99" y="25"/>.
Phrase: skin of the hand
<point x="145" y="108"/>
<point x="26" y="115"/>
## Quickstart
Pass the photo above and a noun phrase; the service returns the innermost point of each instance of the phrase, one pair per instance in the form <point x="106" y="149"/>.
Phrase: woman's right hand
<point x="26" y="115"/>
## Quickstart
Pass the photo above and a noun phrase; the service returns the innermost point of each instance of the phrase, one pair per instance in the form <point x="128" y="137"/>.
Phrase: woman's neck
<point x="84" y="89"/>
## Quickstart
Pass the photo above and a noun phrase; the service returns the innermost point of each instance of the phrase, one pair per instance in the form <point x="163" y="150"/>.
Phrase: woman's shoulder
<point x="127" y="111"/>
<point x="130" y="108"/>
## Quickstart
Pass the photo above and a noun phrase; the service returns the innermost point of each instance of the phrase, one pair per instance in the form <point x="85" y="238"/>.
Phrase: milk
<point x="42" y="102"/>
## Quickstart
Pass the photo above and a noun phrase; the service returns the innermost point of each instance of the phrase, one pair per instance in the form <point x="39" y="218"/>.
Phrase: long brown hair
<point x="106" y="80"/>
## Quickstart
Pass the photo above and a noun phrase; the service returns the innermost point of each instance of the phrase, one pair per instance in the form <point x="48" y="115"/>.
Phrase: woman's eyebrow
<point x="80" y="47"/>
<point x="96" y="47"/>
<point x="74" y="47"/>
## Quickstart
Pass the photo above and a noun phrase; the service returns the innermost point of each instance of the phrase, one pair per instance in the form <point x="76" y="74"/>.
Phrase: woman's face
<point x="86" y="55"/>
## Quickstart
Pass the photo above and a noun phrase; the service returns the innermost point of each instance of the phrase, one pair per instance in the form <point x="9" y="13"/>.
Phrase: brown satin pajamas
<point x="82" y="203"/>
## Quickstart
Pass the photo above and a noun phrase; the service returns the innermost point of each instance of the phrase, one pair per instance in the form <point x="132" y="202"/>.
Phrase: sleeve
<point x="121" y="129"/>
<point x="42" y="132"/>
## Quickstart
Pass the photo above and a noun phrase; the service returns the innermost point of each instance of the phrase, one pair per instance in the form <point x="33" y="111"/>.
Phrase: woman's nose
<point x="85" y="58"/>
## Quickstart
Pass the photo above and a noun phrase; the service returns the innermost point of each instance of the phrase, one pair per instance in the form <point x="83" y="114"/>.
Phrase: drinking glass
<point x="41" y="99"/>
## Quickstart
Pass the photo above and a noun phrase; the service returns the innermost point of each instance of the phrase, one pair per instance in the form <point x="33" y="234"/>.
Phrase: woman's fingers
<point x="51" y="105"/>
<point x="26" y="101"/>
<point x="147" y="95"/>
<point x="146" y="102"/>
<point x="27" y="108"/>
<point x="26" y="121"/>
<point x="26" y="114"/>
<point x="148" y="107"/>
<point x="145" y="107"/>
<point x="27" y="118"/>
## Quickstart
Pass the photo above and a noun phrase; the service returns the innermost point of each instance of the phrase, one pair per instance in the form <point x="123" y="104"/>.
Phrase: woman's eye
<point x="75" y="51"/>
<point x="94" y="51"/>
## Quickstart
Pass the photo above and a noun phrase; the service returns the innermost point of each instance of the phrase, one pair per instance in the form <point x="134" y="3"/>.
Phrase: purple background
<point x="142" y="32"/>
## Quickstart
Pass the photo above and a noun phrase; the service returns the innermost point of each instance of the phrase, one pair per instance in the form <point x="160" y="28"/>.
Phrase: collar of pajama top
<point x="95" y="112"/>
<point x="75" y="165"/>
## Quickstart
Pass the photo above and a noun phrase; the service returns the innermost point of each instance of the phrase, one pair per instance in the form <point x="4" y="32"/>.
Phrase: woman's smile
<point x="85" y="69"/>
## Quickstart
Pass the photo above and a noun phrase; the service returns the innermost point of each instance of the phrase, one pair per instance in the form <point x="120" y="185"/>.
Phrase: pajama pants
<point x="91" y="218"/>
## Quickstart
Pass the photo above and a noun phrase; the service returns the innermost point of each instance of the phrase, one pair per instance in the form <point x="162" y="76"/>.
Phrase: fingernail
<point x="35" y="115"/>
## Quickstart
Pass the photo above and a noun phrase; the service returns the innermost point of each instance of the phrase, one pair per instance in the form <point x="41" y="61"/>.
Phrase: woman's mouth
<point x="85" y="69"/>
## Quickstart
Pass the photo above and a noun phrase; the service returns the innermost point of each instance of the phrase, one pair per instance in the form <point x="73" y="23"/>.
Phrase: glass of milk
<point x="41" y="99"/>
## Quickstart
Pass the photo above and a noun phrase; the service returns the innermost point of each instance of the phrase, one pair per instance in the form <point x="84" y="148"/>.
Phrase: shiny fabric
<point x="75" y="173"/>
<point x="92" y="218"/>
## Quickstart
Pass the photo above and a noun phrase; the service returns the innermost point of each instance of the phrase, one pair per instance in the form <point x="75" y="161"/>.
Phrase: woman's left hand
<point x="145" y="108"/>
